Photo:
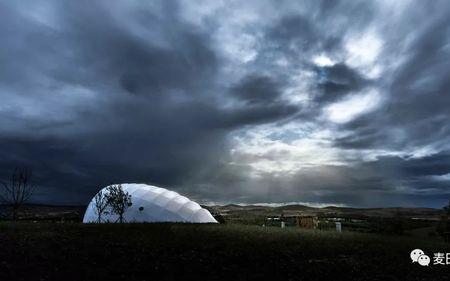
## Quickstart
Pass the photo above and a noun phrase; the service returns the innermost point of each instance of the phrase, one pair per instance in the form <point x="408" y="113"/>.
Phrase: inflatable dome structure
<point x="153" y="204"/>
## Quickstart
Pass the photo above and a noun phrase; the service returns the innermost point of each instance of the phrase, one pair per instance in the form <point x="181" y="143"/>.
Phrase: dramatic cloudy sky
<point x="333" y="102"/>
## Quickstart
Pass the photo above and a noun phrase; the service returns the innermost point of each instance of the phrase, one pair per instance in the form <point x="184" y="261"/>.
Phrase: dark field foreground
<point x="38" y="251"/>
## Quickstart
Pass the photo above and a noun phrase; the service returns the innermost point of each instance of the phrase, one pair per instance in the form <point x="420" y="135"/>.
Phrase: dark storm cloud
<point x="261" y="97"/>
<point x="337" y="80"/>
<point x="315" y="31"/>
<point x="295" y="29"/>
<point x="255" y="89"/>
<point x="99" y="92"/>
<point x="154" y="117"/>
<point x="299" y="37"/>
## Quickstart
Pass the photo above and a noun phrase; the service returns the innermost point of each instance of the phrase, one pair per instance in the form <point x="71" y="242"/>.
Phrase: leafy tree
<point x="118" y="199"/>
<point x="16" y="192"/>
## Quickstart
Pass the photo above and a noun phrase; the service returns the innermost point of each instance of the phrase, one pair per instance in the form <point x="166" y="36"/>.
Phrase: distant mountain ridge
<point x="258" y="210"/>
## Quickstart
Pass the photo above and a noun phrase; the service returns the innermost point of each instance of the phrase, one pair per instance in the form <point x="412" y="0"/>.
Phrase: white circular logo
<point x="415" y="254"/>
<point x="423" y="260"/>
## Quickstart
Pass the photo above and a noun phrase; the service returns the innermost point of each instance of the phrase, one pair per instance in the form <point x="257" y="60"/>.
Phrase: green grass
<point x="38" y="251"/>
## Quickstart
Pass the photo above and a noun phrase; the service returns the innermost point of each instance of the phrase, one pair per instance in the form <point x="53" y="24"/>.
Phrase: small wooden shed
<point x="307" y="221"/>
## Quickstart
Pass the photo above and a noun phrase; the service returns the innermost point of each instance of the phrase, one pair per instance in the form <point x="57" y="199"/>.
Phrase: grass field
<point x="52" y="251"/>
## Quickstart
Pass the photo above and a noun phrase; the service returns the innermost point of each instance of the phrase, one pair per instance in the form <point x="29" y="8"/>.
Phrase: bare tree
<point x="101" y="203"/>
<point x="18" y="190"/>
<point x="119" y="200"/>
<point x="443" y="227"/>
<point x="447" y="209"/>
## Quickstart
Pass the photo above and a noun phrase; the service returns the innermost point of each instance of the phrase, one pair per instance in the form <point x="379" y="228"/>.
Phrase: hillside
<point x="234" y="211"/>
<point x="57" y="251"/>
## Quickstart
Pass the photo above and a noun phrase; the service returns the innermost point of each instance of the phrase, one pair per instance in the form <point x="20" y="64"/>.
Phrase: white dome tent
<point x="153" y="204"/>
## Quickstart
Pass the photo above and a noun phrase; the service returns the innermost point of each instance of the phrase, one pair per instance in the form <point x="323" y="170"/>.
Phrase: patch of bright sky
<point x="285" y="149"/>
<point x="322" y="61"/>
<point x="240" y="48"/>
<point x="423" y="151"/>
<point x="363" y="50"/>
<point x="352" y="106"/>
